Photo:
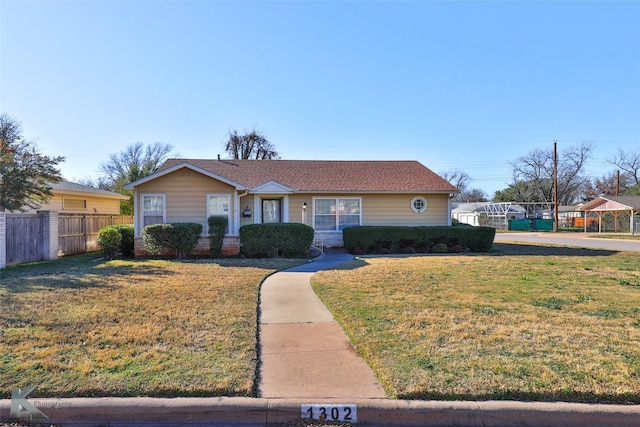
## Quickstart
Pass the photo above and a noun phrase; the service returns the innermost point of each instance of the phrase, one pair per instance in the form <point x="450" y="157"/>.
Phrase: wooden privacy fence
<point x="47" y="235"/>
<point x="24" y="238"/>
<point x="78" y="233"/>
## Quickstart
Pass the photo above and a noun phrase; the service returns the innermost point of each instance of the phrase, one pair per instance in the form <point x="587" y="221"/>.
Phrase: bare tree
<point x="629" y="163"/>
<point x="461" y="180"/>
<point x="536" y="169"/>
<point x="132" y="164"/>
<point x="607" y="184"/>
<point x="26" y="175"/>
<point x="252" y="145"/>
<point x="457" y="178"/>
<point x="471" y="195"/>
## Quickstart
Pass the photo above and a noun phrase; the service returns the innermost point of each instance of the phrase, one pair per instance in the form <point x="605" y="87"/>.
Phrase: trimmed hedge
<point x="372" y="239"/>
<point x="114" y="239"/>
<point x="217" y="228"/>
<point x="180" y="237"/>
<point x="289" y="240"/>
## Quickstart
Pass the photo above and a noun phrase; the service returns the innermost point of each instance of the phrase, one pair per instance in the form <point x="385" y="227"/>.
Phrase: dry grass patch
<point x="79" y="327"/>
<point x="533" y="327"/>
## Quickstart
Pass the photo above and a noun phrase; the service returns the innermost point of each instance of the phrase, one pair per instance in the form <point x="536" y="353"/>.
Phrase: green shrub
<point x="109" y="238"/>
<point x="217" y="228"/>
<point x="126" y="239"/>
<point x="181" y="238"/>
<point x="440" y="248"/>
<point x="373" y="239"/>
<point x="290" y="240"/>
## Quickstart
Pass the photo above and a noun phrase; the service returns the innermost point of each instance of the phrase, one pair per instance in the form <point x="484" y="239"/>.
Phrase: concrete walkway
<point x="304" y="353"/>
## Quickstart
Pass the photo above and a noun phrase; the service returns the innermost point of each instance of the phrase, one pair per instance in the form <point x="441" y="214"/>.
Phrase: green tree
<point x="26" y="174"/>
<point x="132" y="164"/>
<point x="519" y="191"/>
<point x="252" y="145"/>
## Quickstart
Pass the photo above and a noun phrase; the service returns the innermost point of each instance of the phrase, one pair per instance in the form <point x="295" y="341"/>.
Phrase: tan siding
<point x="186" y="195"/>
<point x="295" y="208"/>
<point x="95" y="204"/>
<point x="395" y="209"/>
<point x="245" y="201"/>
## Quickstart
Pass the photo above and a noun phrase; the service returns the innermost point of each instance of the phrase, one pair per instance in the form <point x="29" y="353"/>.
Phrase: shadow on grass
<point x="74" y="272"/>
<point x="559" y="396"/>
<point x="512" y="249"/>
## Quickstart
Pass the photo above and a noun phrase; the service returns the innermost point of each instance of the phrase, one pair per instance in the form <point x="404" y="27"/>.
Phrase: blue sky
<point x="455" y="85"/>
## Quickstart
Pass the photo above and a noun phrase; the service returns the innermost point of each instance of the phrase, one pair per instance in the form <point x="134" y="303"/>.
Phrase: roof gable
<point x="271" y="187"/>
<point x="613" y="203"/>
<point x="167" y="169"/>
<point x="315" y="175"/>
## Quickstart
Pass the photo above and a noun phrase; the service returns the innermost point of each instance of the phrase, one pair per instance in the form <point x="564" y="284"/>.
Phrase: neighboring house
<point x="569" y="215"/>
<point x="326" y="195"/>
<point x="494" y="214"/>
<point x="69" y="197"/>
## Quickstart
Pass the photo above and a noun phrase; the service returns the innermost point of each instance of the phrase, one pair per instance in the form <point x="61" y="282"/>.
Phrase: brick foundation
<point x="230" y="247"/>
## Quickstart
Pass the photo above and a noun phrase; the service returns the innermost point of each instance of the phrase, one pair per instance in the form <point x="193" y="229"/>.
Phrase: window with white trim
<point x="336" y="214"/>
<point x="219" y="205"/>
<point x="418" y="204"/>
<point x="153" y="209"/>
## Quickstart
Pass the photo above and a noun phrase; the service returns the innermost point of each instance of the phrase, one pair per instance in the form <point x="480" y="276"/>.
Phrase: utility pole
<point x="618" y="183"/>
<point x="555" y="186"/>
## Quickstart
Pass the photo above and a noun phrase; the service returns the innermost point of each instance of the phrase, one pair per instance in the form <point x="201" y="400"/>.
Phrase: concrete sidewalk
<point x="304" y="353"/>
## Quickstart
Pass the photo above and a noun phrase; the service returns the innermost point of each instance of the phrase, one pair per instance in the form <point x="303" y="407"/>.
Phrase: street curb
<point x="241" y="411"/>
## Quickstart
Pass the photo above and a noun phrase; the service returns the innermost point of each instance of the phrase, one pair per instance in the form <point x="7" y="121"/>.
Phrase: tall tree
<point x="457" y="178"/>
<point x="536" y="169"/>
<point x="519" y="191"/>
<point x="629" y="163"/>
<point x="26" y="174"/>
<point x="461" y="180"/>
<point x="252" y="145"/>
<point x="132" y="164"/>
<point x="472" y="195"/>
<point x="607" y="184"/>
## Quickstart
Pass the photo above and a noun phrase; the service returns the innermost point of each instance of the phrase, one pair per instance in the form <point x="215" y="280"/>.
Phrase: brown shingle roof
<point x="326" y="175"/>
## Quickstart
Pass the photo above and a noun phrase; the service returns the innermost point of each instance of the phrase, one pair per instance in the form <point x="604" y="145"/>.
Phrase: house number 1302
<point x="320" y="412"/>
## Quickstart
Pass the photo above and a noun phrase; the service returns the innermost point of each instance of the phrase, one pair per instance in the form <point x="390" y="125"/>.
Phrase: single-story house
<point x="326" y="195"/>
<point x="70" y="197"/>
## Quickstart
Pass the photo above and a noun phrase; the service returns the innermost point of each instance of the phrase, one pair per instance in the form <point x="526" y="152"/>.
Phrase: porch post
<point x="236" y="214"/>
<point x="136" y="214"/>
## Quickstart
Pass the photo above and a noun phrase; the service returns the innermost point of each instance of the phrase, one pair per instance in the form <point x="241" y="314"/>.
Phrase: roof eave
<point x="88" y="193"/>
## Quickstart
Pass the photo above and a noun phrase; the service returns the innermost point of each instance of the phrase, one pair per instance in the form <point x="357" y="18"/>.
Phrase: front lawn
<point x="81" y="327"/>
<point x="511" y="325"/>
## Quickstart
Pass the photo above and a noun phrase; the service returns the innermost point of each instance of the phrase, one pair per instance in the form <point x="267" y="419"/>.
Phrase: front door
<point x="271" y="210"/>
